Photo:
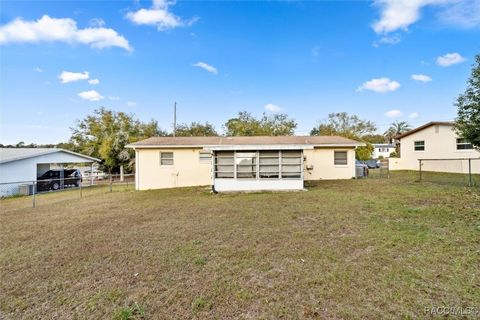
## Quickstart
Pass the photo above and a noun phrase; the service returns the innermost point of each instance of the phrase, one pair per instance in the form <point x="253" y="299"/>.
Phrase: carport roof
<point x="14" y="154"/>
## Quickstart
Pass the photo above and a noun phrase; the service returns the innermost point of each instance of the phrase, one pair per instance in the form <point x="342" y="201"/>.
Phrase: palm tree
<point x="397" y="128"/>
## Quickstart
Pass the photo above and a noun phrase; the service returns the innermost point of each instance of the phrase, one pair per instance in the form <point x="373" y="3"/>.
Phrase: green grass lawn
<point x="372" y="248"/>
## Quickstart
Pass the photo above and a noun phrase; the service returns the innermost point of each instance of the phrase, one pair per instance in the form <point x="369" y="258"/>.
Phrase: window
<point x="382" y="149"/>
<point x="291" y="164"/>
<point x="419" y="145"/>
<point x="224" y="166"/>
<point x="205" y="157"/>
<point x="269" y="164"/>
<point x="246" y="165"/>
<point x="166" y="158"/>
<point x="340" y="158"/>
<point x="463" y="144"/>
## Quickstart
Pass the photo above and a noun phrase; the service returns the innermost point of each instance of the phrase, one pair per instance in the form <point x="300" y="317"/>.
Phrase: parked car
<point x="361" y="169"/>
<point x="372" y="164"/>
<point x="96" y="174"/>
<point x="52" y="179"/>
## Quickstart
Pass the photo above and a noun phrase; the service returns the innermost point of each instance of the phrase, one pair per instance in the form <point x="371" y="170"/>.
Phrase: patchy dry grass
<point x="344" y="249"/>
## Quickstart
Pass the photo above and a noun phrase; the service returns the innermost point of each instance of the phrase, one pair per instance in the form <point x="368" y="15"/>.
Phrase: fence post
<point x="469" y="172"/>
<point x="111" y="182"/>
<point x="33" y="191"/>
<point x="81" y="193"/>
<point x="420" y="168"/>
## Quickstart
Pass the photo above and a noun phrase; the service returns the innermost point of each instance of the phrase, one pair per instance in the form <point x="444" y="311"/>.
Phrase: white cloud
<point x="207" y="67"/>
<point x="450" y="59"/>
<point x="131" y="104"/>
<point x="421" y="78"/>
<point x="113" y="98"/>
<point x="400" y="14"/>
<point x="465" y="13"/>
<point x="67" y="76"/>
<point x="379" y="85"/>
<point x="160" y="16"/>
<point x="393" y="113"/>
<point x="47" y="29"/>
<point x="413" y="115"/>
<point x="37" y="69"/>
<point x="272" y="108"/>
<point x="91" y="95"/>
<point x="97" y="23"/>
<point x="93" y="81"/>
<point x="388" y="39"/>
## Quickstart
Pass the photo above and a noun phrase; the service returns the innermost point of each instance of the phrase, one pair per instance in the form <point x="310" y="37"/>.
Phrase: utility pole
<point x="174" y="118"/>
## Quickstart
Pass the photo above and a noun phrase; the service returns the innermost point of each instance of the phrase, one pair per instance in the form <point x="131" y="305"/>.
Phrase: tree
<point x="344" y="125"/>
<point x="374" y="138"/>
<point x="245" y="124"/>
<point x="105" y="133"/>
<point x="195" y="129"/>
<point x="467" y="123"/>
<point x="348" y="126"/>
<point x="364" y="153"/>
<point x="396" y="128"/>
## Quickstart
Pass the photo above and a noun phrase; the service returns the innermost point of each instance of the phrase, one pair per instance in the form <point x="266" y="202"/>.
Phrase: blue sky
<point x="306" y="59"/>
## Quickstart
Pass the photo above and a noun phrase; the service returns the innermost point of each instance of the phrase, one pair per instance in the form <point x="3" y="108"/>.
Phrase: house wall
<point x="440" y="143"/>
<point x="376" y="152"/>
<point x="186" y="171"/>
<point x="322" y="160"/>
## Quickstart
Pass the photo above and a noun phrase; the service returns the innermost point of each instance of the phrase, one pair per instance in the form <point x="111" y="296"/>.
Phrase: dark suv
<point x="53" y="180"/>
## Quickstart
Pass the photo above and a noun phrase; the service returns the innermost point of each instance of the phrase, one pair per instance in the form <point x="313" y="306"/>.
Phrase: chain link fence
<point x="461" y="171"/>
<point x="24" y="194"/>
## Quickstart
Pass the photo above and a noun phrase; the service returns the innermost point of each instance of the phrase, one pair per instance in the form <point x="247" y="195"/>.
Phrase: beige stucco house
<point x="242" y="163"/>
<point x="439" y="147"/>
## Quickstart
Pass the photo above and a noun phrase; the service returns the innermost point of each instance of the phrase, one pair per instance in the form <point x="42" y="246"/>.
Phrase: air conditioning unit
<point x="25" y="189"/>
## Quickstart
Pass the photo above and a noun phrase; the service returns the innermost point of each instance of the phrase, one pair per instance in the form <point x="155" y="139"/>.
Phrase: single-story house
<point x="382" y="150"/>
<point x="435" y="140"/>
<point x="20" y="166"/>
<point x="242" y="163"/>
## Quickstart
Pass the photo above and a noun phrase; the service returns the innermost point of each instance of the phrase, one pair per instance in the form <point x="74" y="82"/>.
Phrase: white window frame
<point x="258" y="166"/>
<point x="204" y="159"/>
<point x="172" y="158"/>
<point x="340" y="164"/>
<point x="415" y="145"/>
<point x="466" y="143"/>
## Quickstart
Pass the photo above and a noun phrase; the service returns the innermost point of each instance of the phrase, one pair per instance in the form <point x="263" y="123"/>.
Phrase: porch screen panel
<point x="269" y="164"/>
<point x="246" y="165"/>
<point x="291" y="164"/>
<point x="224" y="164"/>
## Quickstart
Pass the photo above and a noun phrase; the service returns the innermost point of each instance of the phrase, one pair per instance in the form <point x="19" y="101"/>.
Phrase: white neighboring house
<point x="382" y="150"/>
<point x="435" y="140"/>
<point x="23" y="165"/>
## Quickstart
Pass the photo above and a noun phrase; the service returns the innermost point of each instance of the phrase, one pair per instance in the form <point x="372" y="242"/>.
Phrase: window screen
<point x="205" y="157"/>
<point x="166" y="158"/>
<point x="269" y="164"/>
<point x="340" y="158"/>
<point x="224" y="164"/>
<point x="419" y="145"/>
<point x="463" y="144"/>
<point x="246" y="165"/>
<point x="291" y="164"/>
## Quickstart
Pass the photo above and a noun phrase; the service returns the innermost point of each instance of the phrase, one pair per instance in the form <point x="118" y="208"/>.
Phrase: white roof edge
<point x="53" y="150"/>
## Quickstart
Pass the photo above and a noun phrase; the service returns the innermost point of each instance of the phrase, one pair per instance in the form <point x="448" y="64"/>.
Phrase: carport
<point x="20" y="166"/>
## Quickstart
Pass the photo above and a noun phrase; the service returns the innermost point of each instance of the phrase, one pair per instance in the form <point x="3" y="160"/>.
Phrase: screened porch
<point x="258" y="170"/>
